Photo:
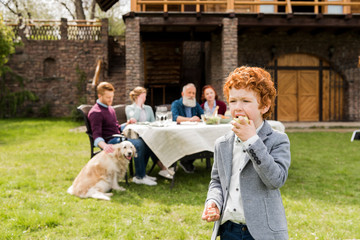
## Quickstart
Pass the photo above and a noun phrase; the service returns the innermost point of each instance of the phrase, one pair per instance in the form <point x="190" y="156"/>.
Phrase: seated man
<point x="104" y="124"/>
<point x="187" y="109"/>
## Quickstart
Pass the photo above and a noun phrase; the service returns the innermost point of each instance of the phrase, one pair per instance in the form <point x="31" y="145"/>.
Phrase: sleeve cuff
<point x="210" y="201"/>
<point x="99" y="139"/>
<point x="251" y="140"/>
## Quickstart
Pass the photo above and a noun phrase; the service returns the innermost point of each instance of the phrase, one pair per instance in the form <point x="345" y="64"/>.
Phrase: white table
<point x="173" y="142"/>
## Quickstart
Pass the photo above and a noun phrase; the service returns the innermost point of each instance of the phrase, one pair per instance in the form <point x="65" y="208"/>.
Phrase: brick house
<point x="312" y="52"/>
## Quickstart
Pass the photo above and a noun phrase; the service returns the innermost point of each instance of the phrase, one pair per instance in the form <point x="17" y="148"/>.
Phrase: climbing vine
<point x="12" y="92"/>
<point x="12" y="100"/>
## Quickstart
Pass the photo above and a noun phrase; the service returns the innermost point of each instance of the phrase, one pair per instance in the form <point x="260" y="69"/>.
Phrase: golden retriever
<point x="102" y="172"/>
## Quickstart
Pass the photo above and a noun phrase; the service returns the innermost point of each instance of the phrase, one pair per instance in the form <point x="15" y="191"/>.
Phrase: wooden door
<point x="287" y="95"/>
<point x="298" y="95"/>
<point x="308" y="92"/>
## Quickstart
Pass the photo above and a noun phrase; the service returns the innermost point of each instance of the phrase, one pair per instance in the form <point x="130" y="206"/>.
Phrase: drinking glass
<point x="161" y="114"/>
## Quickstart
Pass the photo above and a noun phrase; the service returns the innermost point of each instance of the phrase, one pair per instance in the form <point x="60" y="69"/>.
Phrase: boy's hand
<point x="211" y="213"/>
<point x="243" y="128"/>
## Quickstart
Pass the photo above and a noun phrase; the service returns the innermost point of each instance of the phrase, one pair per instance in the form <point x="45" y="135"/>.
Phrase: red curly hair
<point x="203" y="93"/>
<point x="255" y="79"/>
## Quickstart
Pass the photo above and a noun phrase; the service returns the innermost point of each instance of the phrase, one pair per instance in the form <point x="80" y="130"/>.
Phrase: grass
<point x="40" y="158"/>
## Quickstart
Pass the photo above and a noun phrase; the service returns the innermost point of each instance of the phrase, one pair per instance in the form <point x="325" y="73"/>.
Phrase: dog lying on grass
<point x="102" y="173"/>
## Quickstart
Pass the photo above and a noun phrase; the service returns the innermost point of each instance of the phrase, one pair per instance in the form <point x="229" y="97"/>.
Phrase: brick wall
<point x="73" y="64"/>
<point x="60" y="92"/>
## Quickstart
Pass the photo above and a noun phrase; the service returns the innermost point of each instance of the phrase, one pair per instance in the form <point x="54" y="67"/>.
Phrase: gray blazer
<point x="266" y="170"/>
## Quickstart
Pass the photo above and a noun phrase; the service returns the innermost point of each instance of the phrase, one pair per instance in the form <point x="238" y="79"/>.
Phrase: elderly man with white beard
<point x="187" y="109"/>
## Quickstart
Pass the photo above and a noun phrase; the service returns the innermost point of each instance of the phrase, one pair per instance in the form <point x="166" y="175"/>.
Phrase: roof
<point x="106" y="4"/>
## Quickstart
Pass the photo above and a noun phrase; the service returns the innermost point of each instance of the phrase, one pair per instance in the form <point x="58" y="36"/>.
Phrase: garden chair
<point x="355" y="135"/>
<point x="120" y="113"/>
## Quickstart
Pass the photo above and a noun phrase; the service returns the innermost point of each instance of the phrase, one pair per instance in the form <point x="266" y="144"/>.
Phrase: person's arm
<point x="272" y="166"/>
<point x="131" y="114"/>
<point x="108" y="148"/>
<point x="199" y="110"/>
<point x="95" y="120"/>
<point x="215" y="193"/>
<point x="175" y="110"/>
<point x="180" y="119"/>
<point x="150" y="114"/>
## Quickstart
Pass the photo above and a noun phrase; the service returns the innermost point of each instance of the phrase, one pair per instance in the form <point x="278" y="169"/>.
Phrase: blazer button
<point x="256" y="158"/>
<point x="251" y="150"/>
<point x="258" y="162"/>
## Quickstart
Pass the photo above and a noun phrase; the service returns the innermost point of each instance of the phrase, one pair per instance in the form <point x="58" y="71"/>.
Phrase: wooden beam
<point x="288" y="7"/>
<point x="95" y="81"/>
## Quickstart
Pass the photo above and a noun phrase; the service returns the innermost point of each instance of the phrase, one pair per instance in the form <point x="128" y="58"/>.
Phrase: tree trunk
<point x="80" y="15"/>
<point x="92" y="9"/>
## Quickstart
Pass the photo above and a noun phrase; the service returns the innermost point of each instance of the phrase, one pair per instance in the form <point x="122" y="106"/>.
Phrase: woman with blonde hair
<point x="139" y="112"/>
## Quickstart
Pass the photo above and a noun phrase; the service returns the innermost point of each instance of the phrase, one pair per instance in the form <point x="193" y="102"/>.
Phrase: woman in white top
<point x="139" y="112"/>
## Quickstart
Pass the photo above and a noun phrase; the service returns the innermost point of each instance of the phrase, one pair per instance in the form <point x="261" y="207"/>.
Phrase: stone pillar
<point x="133" y="55"/>
<point x="229" y="46"/>
<point x="104" y="30"/>
<point x="63" y="29"/>
<point x="352" y="98"/>
<point x="105" y="45"/>
<point x="216" y="74"/>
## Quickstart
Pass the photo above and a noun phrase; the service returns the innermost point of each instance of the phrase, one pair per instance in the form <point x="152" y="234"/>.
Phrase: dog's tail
<point x="70" y="190"/>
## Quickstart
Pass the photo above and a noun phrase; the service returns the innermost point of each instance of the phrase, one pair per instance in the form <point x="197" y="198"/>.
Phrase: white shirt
<point x="234" y="210"/>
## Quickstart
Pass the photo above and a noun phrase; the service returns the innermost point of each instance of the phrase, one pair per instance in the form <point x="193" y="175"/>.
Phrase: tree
<point x="71" y="9"/>
<point x="50" y="9"/>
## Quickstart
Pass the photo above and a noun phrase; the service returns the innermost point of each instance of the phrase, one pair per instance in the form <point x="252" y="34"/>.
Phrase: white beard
<point x="189" y="102"/>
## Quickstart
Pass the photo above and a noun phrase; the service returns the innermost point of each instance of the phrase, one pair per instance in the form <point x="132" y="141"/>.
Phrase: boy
<point x="250" y="164"/>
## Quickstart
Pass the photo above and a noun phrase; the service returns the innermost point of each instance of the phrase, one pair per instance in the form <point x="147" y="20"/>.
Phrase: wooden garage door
<point x="298" y="95"/>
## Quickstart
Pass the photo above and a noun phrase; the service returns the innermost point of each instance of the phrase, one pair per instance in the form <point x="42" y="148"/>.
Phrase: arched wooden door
<point x="308" y="89"/>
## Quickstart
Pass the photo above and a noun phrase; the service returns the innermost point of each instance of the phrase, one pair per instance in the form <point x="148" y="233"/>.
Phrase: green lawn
<point x="40" y="158"/>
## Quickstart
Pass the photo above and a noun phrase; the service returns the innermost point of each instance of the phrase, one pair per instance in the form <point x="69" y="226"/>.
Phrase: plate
<point x="142" y="123"/>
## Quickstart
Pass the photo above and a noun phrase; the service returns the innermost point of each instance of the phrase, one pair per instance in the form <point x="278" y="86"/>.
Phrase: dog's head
<point x="125" y="150"/>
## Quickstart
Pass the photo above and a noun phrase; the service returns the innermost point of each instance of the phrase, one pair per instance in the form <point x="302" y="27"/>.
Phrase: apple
<point x="246" y="119"/>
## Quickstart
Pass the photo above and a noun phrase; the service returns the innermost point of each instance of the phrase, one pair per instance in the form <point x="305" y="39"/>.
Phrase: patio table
<point x="173" y="142"/>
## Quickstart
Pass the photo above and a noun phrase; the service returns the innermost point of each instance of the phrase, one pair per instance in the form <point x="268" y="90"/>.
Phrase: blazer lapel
<point x="227" y="155"/>
<point x="265" y="131"/>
